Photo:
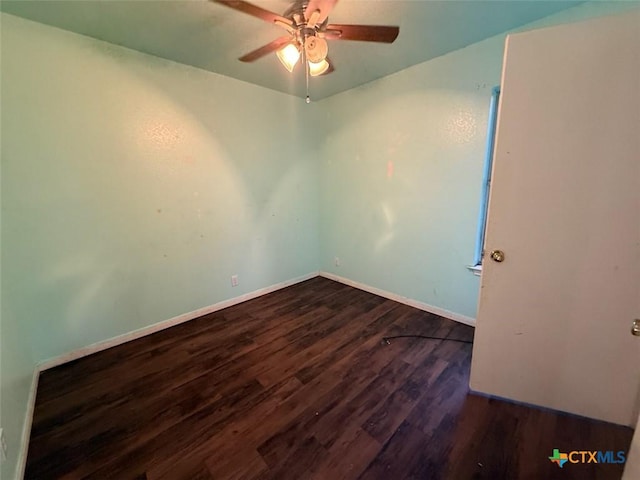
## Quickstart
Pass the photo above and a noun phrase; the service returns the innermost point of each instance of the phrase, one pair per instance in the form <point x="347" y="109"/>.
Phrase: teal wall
<point x="401" y="173"/>
<point x="132" y="189"/>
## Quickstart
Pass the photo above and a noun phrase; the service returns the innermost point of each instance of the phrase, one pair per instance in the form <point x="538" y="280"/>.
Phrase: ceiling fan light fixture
<point x="288" y="56"/>
<point x="316" y="49"/>
<point x="318" y="68"/>
<point x="308" y="29"/>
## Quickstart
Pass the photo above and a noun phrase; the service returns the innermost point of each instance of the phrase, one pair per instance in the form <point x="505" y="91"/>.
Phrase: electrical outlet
<point x="336" y="261"/>
<point x="3" y="446"/>
<point x="234" y="280"/>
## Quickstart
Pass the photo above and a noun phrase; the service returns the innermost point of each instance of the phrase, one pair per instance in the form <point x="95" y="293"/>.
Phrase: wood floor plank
<point x="349" y="455"/>
<point x="388" y="415"/>
<point x="297" y="384"/>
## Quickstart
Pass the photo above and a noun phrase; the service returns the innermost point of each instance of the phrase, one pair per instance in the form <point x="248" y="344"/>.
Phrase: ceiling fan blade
<point x="325" y="7"/>
<point x="253" y="10"/>
<point x="363" y="33"/>
<point x="277" y="44"/>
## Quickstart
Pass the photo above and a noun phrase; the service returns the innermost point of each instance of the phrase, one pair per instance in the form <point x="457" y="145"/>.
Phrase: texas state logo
<point x="559" y="458"/>
<point x="586" y="456"/>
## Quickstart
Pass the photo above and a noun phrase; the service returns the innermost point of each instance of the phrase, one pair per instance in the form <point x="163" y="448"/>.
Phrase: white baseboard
<point x="156" y="327"/>
<point x="26" y="428"/>
<point x="456" y="317"/>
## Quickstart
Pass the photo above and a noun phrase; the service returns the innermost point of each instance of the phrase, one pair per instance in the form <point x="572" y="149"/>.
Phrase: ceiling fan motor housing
<point x="297" y="9"/>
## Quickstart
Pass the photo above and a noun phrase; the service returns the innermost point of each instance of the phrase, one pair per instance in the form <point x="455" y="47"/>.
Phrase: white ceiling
<point x="209" y="36"/>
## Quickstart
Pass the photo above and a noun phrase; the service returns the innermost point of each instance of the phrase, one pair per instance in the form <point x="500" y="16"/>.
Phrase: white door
<point x="554" y="318"/>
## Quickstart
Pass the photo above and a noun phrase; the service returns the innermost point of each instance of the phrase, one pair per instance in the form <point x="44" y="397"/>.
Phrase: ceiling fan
<point x="308" y="29"/>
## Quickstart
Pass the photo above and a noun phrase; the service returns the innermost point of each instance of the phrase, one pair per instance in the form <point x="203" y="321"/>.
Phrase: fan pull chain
<point x="306" y="74"/>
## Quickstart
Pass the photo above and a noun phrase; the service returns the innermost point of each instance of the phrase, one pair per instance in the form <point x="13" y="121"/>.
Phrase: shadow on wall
<point x="142" y="186"/>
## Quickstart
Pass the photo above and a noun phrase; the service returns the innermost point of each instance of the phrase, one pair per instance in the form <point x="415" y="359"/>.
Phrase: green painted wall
<point x="402" y="170"/>
<point x="132" y="189"/>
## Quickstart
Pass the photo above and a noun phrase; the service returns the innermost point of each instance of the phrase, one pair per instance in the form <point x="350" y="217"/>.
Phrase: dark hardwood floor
<point x="298" y="385"/>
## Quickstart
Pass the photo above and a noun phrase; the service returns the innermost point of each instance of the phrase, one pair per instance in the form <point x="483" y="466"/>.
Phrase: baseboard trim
<point x="456" y="317"/>
<point x="26" y="428"/>
<point x="156" y="327"/>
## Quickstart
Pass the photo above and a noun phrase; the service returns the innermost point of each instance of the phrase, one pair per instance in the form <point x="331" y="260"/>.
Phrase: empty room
<point x="319" y="239"/>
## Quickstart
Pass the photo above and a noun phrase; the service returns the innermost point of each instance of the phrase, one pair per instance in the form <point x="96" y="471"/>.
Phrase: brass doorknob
<point x="635" y="327"/>
<point x="497" y="256"/>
